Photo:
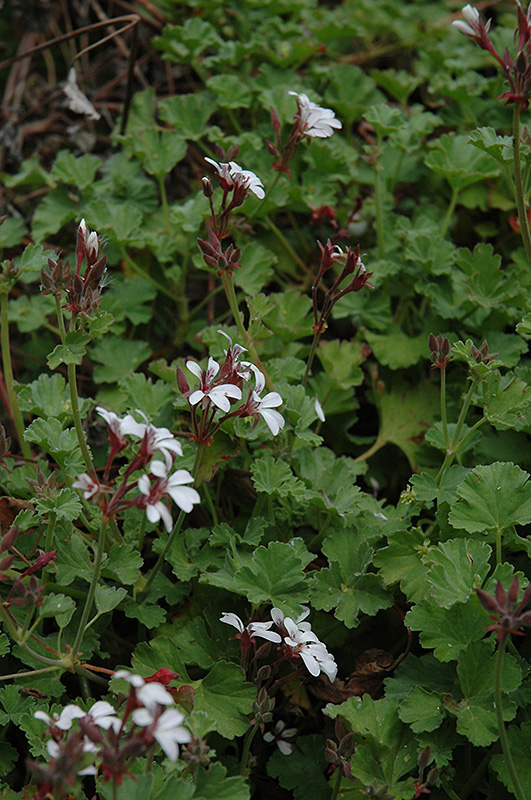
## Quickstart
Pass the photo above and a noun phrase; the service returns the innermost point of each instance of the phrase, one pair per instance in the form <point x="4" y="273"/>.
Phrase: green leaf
<point x="150" y="616"/>
<point x="461" y="164"/>
<point x="520" y="745"/>
<point x="395" y="349"/>
<point x="58" y="606"/>
<point x="274" y="574"/>
<point x="71" y="352"/>
<point x="406" y="412"/>
<point x="49" y="434"/>
<point x="49" y="396"/>
<point x="346" y="585"/>
<point x="159" y="151"/>
<point x="8" y="758"/>
<point x="124" y="564"/>
<point x="213" y="784"/>
<point x="33" y="259"/>
<point x="53" y="211"/>
<point x="388" y="750"/>
<point x="422" y="710"/>
<point x="258" y="270"/>
<point x="108" y="597"/>
<point x="499" y="147"/>
<point x="486" y="283"/>
<point x="458" y="567"/>
<point x="492" y="497"/>
<point x="77" y="171"/>
<point x="226" y="697"/>
<point x="65" y="504"/>
<point x="303" y="771"/>
<point x="506" y="400"/>
<point x="341" y="361"/>
<point x="402" y="562"/>
<point x="117" y="358"/>
<point x="189" y="113"/>
<point x="73" y="561"/>
<point x="129" y="298"/>
<point x="447" y="630"/>
<point x="272" y="476"/>
<point x="230" y="91"/>
<point x="14" y="705"/>
<point x="30" y="313"/>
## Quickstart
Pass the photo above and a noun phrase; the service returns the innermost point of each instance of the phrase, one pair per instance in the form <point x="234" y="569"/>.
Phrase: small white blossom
<point x="64" y="720"/>
<point x="219" y="394"/>
<point x="279" y="734"/>
<point x="316" y="122"/>
<point x="173" y="485"/>
<point x="253" y="628"/>
<point x="88" y="485"/>
<point x="153" y="694"/>
<point x="472" y="26"/>
<point x="314" y="654"/>
<point x="265" y="405"/>
<point x="248" y="178"/>
<point x="166" y="729"/>
<point x="319" y="410"/>
<point x="104" y="716"/>
<point x="136" y="681"/>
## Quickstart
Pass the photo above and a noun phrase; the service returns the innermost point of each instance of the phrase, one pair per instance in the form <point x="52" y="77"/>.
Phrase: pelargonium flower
<point x="279" y="734"/>
<point x="103" y="714"/>
<point x="314" y="654"/>
<point x="314" y="121"/>
<point x="165" y="728"/>
<point x="252" y="629"/>
<point x="232" y="176"/>
<point x="472" y="26"/>
<point x="64" y="720"/>
<point x="88" y="485"/>
<point x="264" y="406"/>
<point x="218" y="394"/>
<point x="173" y="485"/>
<point x="153" y="439"/>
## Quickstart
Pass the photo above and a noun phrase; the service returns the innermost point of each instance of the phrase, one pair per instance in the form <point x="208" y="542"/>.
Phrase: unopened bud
<point x="208" y="189"/>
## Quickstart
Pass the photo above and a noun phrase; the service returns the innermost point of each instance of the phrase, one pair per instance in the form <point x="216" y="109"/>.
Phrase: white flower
<point x="88" y="485"/>
<point x="104" y="716"/>
<point x="166" y="729"/>
<point x="279" y="734"/>
<point x="135" y="680"/>
<point x="319" y="409"/>
<point x="64" y="720"/>
<point x="472" y="26"/>
<point x="265" y="405"/>
<point x="173" y="485"/>
<point x="314" y="654"/>
<point x="232" y="175"/>
<point x="315" y="121"/>
<point x="253" y="628"/>
<point x="248" y="179"/>
<point x="156" y="439"/>
<point x="216" y="394"/>
<point x="153" y="694"/>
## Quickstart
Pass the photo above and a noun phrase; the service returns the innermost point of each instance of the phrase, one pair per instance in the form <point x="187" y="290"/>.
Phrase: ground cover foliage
<point x="265" y="468"/>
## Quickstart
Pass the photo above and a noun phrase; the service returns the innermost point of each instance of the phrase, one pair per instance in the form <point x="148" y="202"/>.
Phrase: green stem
<point x="336" y="785"/>
<point x="230" y="292"/>
<point x="520" y="199"/>
<point x="443" y="409"/>
<point x="162" y="557"/>
<point x="379" y="443"/>
<point x="29" y="674"/>
<point x="449" y="213"/>
<point x="378" y="201"/>
<point x="9" y="379"/>
<point x="284" y="242"/>
<point x="143" y="274"/>
<point x="249" y="736"/>
<point x="74" y="401"/>
<point x="311" y="355"/>
<point x="453" y="448"/>
<point x="92" y="590"/>
<point x="269" y="190"/>
<point x="164" y="202"/>
<point x="450" y="792"/>
<point x="504" y="741"/>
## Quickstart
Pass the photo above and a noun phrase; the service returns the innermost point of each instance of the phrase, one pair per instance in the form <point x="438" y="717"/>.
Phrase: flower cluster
<point x="517" y="70"/>
<point x="295" y="639"/>
<point x="353" y="269"/>
<point x="106" y="741"/>
<point x="83" y="291"/>
<point x="311" y="122"/>
<point x="221" y="390"/>
<point x="507" y="615"/>
<point x="155" y="455"/>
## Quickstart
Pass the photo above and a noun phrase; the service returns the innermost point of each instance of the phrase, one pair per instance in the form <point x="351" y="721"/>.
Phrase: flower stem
<point x="453" y="448"/>
<point x="449" y="213"/>
<point x="378" y="201"/>
<point x="443" y="409"/>
<point x="269" y="190"/>
<point x="311" y="355"/>
<point x="520" y="199"/>
<point x="74" y="401"/>
<point x="230" y="292"/>
<point x="9" y="379"/>
<point x="336" y="785"/>
<point x="92" y="590"/>
<point x="249" y="736"/>
<point x="504" y="741"/>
